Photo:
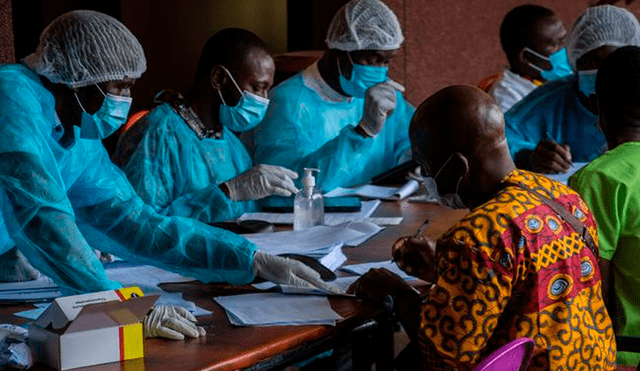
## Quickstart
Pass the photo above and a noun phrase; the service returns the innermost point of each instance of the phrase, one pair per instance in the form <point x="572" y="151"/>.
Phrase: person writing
<point x="342" y="115"/>
<point x="555" y="124"/>
<point x="521" y="263"/>
<point x="183" y="157"/>
<point x="61" y="195"/>
<point x="610" y="185"/>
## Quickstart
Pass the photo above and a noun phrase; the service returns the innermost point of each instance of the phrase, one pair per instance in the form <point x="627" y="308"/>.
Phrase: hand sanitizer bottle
<point x="308" y="205"/>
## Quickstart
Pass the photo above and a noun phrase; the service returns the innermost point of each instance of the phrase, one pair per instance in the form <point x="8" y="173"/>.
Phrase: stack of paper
<point x="368" y="207"/>
<point x="388" y="264"/>
<point x="372" y="191"/>
<point x="315" y="241"/>
<point x="275" y="309"/>
<point x="37" y="290"/>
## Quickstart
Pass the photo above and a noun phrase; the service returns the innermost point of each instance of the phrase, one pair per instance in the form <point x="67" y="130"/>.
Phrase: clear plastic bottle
<point x="308" y="205"/>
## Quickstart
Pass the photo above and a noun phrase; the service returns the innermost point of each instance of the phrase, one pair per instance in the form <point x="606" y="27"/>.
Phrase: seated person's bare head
<point x="458" y="136"/>
<point x="618" y="92"/>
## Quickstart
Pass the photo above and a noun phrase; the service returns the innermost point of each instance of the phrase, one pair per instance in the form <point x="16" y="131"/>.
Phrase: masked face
<point x="111" y="115"/>
<point x="560" y="67"/>
<point x="246" y="114"/>
<point x="362" y="78"/>
<point x="452" y="200"/>
<point x="587" y="82"/>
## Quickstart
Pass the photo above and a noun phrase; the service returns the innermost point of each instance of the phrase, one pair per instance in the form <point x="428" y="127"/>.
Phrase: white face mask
<point x="451" y="200"/>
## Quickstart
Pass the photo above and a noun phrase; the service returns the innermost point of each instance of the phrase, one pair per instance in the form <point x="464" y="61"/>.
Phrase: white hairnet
<point x="599" y="26"/>
<point x="364" y="25"/>
<point x="85" y="47"/>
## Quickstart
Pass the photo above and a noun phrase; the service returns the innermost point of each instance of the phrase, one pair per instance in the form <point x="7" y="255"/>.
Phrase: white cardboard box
<point x="90" y="329"/>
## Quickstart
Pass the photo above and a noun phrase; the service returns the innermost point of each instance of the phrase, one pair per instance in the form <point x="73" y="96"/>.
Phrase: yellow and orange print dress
<point x="512" y="268"/>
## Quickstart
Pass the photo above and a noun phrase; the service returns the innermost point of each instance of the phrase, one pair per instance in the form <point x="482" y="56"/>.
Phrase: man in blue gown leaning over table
<point x="555" y="124"/>
<point x="60" y="195"/>
<point x="342" y="115"/>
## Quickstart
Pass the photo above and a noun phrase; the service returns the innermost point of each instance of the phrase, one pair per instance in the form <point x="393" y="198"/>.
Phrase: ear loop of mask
<point x="340" y="69"/>
<point x="234" y="83"/>
<point x="78" y="99"/>
<point x="445" y="164"/>
<point x="538" y="68"/>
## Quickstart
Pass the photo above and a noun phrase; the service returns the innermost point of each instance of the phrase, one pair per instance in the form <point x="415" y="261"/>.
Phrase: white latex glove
<point x="262" y="181"/>
<point x="379" y="102"/>
<point x="171" y="322"/>
<point x="288" y="272"/>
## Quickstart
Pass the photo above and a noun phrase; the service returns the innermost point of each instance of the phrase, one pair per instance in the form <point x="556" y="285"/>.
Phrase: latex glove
<point x="416" y="256"/>
<point x="171" y="322"/>
<point x="288" y="272"/>
<point x="14" y="267"/>
<point x="262" y="181"/>
<point x="379" y="103"/>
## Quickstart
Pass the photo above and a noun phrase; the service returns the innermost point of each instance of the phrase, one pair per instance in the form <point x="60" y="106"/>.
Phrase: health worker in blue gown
<point x="183" y="157"/>
<point x="342" y="115"/>
<point x="556" y="124"/>
<point x="60" y="195"/>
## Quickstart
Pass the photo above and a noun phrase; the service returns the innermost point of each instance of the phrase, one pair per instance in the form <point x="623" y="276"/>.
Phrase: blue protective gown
<point x="554" y="108"/>
<point x="178" y="174"/>
<point x="58" y="203"/>
<point x="308" y="124"/>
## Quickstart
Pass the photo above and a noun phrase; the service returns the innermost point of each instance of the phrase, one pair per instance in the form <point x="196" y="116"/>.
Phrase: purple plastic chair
<point x="513" y="356"/>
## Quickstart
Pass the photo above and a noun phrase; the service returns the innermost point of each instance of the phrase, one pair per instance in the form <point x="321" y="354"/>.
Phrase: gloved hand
<point x="171" y="322"/>
<point x="262" y="181"/>
<point x="379" y="102"/>
<point x="14" y="267"/>
<point x="288" y="272"/>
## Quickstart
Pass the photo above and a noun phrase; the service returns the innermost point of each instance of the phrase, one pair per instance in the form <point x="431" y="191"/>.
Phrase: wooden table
<point x="261" y="348"/>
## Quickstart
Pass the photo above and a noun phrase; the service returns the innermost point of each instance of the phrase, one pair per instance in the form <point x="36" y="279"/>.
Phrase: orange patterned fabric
<point x="512" y="268"/>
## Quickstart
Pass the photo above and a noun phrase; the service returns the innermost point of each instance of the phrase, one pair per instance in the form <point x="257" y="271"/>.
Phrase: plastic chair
<point x="514" y="356"/>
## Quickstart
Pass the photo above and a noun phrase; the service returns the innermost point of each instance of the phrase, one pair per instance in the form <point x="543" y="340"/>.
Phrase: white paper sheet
<point x="315" y="241"/>
<point x="276" y="309"/>
<point x="37" y="290"/>
<point x="388" y="264"/>
<point x="367" y="209"/>
<point x="564" y="177"/>
<point x="373" y="191"/>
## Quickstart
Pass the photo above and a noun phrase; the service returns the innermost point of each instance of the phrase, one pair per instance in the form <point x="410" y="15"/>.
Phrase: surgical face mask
<point x="246" y="114"/>
<point x="560" y="67"/>
<point x="587" y="82"/>
<point x="362" y="78"/>
<point x="451" y="200"/>
<point x="111" y="115"/>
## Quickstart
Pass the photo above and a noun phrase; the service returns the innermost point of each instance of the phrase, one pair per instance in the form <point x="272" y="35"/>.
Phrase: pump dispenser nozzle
<point x="309" y="181"/>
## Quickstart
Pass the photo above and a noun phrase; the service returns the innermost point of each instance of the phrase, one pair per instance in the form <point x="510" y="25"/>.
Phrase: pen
<point x="422" y="228"/>
<point x="550" y="139"/>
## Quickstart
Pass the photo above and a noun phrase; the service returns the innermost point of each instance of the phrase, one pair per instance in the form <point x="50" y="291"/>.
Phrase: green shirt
<point x="611" y="187"/>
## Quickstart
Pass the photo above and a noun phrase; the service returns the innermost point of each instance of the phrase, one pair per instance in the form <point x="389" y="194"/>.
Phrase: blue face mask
<point x="362" y="78"/>
<point x="560" y="67"/>
<point x="111" y="115"/>
<point x="246" y="114"/>
<point x="587" y="82"/>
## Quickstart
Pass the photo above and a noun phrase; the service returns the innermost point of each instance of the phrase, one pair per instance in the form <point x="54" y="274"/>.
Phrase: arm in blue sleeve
<point x="402" y="116"/>
<point x="136" y="232"/>
<point x="155" y="173"/>
<point x="524" y="130"/>
<point x="41" y="222"/>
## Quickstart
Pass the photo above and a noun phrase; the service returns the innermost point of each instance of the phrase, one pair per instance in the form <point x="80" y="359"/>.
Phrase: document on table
<point x="564" y="177"/>
<point x="276" y="309"/>
<point x="37" y="290"/>
<point x="363" y="268"/>
<point x="341" y="283"/>
<point x="373" y="191"/>
<point x="316" y="241"/>
<point x="368" y="207"/>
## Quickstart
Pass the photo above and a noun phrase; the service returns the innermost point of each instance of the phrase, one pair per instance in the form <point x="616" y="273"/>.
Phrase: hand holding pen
<point x="550" y="157"/>
<point x="416" y="255"/>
